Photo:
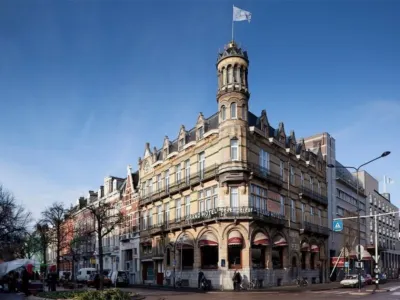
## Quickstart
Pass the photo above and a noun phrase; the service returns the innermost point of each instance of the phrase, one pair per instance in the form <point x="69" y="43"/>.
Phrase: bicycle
<point x="301" y="282"/>
<point x="253" y="284"/>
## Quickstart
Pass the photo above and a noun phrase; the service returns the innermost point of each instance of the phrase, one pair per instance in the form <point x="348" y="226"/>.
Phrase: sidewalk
<point x="311" y="287"/>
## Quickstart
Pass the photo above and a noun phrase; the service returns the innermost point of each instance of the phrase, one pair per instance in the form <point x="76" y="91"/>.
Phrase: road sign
<point x="376" y="258"/>
<point x="346" y="264"/>
<point x="337" y="225"/>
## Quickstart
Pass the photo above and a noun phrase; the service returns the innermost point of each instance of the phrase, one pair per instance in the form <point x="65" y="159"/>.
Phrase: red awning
<point x="353" y="254"/>
<point x="188" y="244"/>
<point x="280" y="241"/>
<point x="314" y="248"/>
<point x="235" y="238"/>
<point x="305" y="246"/>
<point x="261" y="239"/>
<point x="366" y="255"/>
<point x="208" y="239"/>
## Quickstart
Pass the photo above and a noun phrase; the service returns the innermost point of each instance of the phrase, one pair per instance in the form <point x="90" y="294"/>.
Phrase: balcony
<point x="184" y="183"/>
<point x="266" y="174"/>
<point x="312" y="195"/>
<point x="155" y="253"/>
<point x="108" y="249"/>
<point x="217" y="214"/>
<point x="315" y="229"/>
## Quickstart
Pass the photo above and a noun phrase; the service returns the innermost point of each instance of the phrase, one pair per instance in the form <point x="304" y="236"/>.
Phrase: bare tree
<point x="45" y="236"/>
<point x="14" y="221"/>
<point x="106" y="217"/>
<point x="55" y="216"/>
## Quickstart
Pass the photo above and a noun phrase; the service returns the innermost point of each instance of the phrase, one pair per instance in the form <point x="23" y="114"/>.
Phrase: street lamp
<point x="357" y="169"/>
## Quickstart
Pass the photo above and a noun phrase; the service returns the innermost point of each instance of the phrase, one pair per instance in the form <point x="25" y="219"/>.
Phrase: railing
<point x="266" y="174"/>
<point x="185" y="182"/>
<point x="108" y="249"/>
<point x="314" y="228"/>
<point x="219" y="213"/>
<point x="314" y="195"/>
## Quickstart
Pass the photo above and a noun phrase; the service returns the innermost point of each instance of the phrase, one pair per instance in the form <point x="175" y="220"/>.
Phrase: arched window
<point x="230" y="74"/>
<point x="234" y="149"/>
<point x="233" y="110"/>
<point x="186" y="249"/>
<point x="278" y="250"/>
<point x="208" y="244"/>
<point x="244" y="112"/>
<point x="224" y="77"/>
<point x="259" y="246"/>
<point x="223" y="113"/>
<point x="235" y="245"/>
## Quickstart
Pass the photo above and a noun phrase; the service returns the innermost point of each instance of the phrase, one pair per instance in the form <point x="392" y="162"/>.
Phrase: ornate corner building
<point x="233" y="193"/>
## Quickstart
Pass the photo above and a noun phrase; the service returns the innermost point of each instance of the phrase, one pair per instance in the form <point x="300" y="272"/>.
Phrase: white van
<point x="84" y="274"/>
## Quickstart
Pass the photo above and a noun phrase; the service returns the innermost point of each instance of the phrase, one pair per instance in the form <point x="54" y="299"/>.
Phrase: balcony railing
<point x="185" y="182"/>
<point x="315" y="229"/>
<point x="108" y="249"/>
<point x="266" y="174"/>
<point x="317" y="197"/>
<point x="219" y="213"/>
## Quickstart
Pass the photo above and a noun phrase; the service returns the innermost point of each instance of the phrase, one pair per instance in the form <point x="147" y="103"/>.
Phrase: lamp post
<point x="357" y="169"/>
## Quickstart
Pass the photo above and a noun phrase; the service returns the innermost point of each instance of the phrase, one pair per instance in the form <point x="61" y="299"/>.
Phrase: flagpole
<point x="233" y="7"/>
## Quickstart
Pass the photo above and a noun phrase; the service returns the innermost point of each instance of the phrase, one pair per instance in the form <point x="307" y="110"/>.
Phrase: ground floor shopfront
<point x="269" y="255"/>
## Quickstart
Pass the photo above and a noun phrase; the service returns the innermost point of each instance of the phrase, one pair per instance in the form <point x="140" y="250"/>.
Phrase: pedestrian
<point x="97" y="281"/>
<point x="199" y="279"/>
<point x="25" y="282"/>
<point x="237" y="280"/>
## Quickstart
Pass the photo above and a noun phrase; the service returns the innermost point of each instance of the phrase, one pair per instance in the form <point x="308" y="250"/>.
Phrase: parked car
<point x="368" y="279"/>
<point x="119" y="278"/>
<point x="84" y="274"/>
<point x="352" y="281"/>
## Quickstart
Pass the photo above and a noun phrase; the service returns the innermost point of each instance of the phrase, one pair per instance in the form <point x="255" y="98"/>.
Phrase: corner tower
<point x="232" y="98"/>
<point x="233" y="92"/>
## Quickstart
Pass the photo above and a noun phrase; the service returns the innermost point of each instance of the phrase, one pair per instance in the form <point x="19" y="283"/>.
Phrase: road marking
<point x="394" y="288"/>
<point x="396" y="294"/>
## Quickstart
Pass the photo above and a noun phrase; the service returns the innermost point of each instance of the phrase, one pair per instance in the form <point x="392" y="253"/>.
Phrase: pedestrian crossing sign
<point x="337" y="225"/>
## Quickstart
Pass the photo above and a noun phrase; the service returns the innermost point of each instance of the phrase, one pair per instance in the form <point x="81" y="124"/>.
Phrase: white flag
<point x="388" y="180"/>
<point x="241" y="15"/>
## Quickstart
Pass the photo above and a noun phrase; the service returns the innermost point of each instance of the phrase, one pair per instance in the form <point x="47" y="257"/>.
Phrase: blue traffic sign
<point x="337" y="225"/>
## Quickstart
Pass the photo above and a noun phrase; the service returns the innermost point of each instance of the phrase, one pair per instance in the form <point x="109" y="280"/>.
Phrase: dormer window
<point x="233" y="110"/>
<point x="165" y="153"/>
<point x="200" y="133"/>
<point x="181" y="144"/>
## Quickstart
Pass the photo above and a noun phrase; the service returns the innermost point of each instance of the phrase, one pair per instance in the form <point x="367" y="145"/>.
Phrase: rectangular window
<point x="293" y="210"/>
<point x="258" y="198"/>
<point x="302" y="179"/>
<point x="312" y="214"/>
<point x="302" y="211"/>
<point x="167" y="213"/>
<point x="281" y="168"/>
<point x="159" y="182"/>
<point x="264" y="159"/>
<point x="150" y="217"/>
<point x="201" y="201"/>
<point x="178" y="174"/>
<point x="234" y="149"/>
<point x="215" y="197"/>
<point x="282" y="200"/>
<point x="319" y="217"/>
<point x="234" y="197"/>
<point x="187" y="206"/>
<point x="178" y="209"/>
<point x="167" y="181"/>
<point x="181" y="144"/>
<point x="187" y="171"/>
<point x="292" y="175"/>
<point x="202" y="164"/>
<point x="159" y="215"/>
<point x="200" y="133"/>
<point x="311" y="184"/>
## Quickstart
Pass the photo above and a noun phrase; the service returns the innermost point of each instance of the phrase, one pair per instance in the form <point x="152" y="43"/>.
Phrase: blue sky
<point x="84" y="84"/>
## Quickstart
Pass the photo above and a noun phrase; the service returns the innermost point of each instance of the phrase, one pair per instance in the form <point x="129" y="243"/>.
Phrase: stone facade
<point x="233" y="193"/>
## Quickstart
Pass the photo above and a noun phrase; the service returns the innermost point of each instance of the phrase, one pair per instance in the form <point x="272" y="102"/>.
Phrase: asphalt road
<point x="6" y="296"/>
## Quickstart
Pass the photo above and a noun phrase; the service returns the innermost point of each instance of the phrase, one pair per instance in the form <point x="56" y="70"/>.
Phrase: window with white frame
<point x="159" y="214"/>
<point x="311" y="184"/>
<point x="292" y="210"/>
<point x="302" y="179"/>
<point x="159" y="182"/>
<point x="166" y="178"/>
<point x="166" y="205"/>
<point x="178" y="173"/>
<point x="281" y="168"/>
<point x="178" y="209"/>
<point x="264" y="159"/>
<point x="223" y="113"/>
<point x="234" y="197"/>
<point x="200" y="132"/>
<point x="292" y="175"/>
<point x="282" y="203"/>
<point x="144" y="220"/>
<point x="187" y="206"/>
<point x="233" y="110"/>
<point x="150" y="215"/>
<point x="208" y="198"/>
<point x="187" y="171"/>
<point x="319" y="187"/>
<point x="312" y="214"/>
<point x="234" y="149"/>
<point x="202" y="164"/>
<point x="258" y="197"/>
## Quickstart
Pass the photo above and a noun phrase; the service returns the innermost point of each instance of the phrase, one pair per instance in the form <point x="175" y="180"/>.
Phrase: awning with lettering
<point x="305" y="246"/>
<point x="280" y="241"/>
<point x="235" y="238"/>
<point x="208" y="239"/>
<point x="261" y="239"/>
<point x="314" y="248"/>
